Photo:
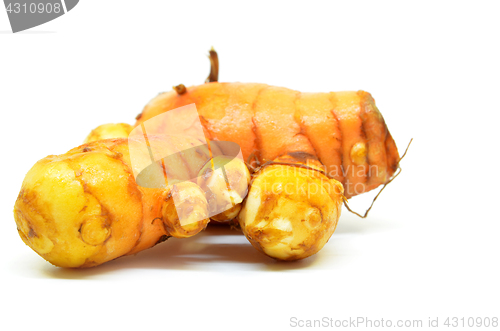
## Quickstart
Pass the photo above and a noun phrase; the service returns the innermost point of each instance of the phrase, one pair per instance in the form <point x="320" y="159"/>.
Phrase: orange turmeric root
<point x="344" y="130"/>
<point x="84" y="208"/>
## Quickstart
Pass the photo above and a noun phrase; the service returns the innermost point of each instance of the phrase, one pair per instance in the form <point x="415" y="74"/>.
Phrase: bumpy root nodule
<point x="109" y="131"/>
<point x="225" y="181"/>
<point x="292" y="208"/>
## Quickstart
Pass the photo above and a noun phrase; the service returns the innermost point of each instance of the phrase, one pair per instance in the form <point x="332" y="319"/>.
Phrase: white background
<point x="430" y="247"/>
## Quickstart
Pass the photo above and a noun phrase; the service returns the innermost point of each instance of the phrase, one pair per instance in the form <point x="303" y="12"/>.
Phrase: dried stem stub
<point x="214" y="66"/>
